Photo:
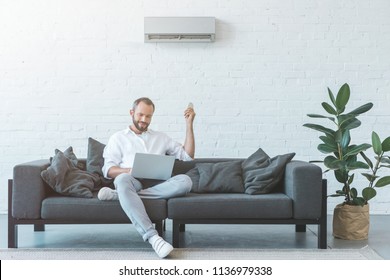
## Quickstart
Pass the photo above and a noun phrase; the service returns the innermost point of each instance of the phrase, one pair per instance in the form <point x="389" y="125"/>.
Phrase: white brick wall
<point x="70" y="70"/>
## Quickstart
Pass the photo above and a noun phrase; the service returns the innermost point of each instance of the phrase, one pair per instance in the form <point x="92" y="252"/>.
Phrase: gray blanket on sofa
<point x="65" y="176"/>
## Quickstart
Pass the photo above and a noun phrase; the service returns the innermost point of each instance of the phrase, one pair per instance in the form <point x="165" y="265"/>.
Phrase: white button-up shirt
<point x="123" y="145"/>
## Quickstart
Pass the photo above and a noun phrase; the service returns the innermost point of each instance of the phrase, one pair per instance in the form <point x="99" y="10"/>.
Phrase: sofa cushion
<point x="230" y="206"/>
<point x="262" y="174"/>
<point x="65" y="178"/>
<point x="94" y="210"/>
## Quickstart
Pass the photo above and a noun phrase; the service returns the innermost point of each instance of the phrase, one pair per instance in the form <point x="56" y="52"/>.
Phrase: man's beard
<point x="137" y="126"/>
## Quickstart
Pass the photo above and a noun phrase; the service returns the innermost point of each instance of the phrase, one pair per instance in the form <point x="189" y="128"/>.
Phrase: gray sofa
<point x="299" y="199"/>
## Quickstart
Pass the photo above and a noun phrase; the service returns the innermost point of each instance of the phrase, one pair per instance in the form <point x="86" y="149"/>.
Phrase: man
<point x="118" y="160"/>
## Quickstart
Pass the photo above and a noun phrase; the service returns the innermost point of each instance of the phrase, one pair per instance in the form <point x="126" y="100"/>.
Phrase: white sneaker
<point x="160" y="246"/>
<point x="106" y="193"/>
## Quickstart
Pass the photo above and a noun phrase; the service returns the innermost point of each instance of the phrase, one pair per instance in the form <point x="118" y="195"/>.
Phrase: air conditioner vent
<point x="179" y="29"/>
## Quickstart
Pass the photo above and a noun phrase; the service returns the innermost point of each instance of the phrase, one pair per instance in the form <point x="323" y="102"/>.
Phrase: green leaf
<point x="362" y="109"/>
<point x="384" y="181"/>
<point x="369" y="162"/>
<point x="342" y="98"/>
<point x="385" y="160"/>
<point x="386" y="145"/>
<point x="368" y="193"/>
<point x="353" y="193"/>
<point x="350" y="180"/>
<point x="357" y="149"/>
<point x="345" y="140"/>
<point x="341" y="176"/>
<point x="370" y="177"/>
<point x="326" y="149"/>
<point x="329" y="108"/>
<point x="319" y="128"/>
<point x="327" y="139"/>
<point x="331" y="97"/>
<point x="336" y="195"/>
<point x="350" y="124"/>
<point x="343" y="118"/>
<point x="359" y="201"/>
<point x="376" y="143"/>
<point x="333" y="163"/>
<point x="320" y="117"/>
<point x="350" y="158"/>
<point x="357" y="165"/>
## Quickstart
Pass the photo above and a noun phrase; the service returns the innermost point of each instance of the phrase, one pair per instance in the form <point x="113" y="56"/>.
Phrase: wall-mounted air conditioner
<point x="179" y="29"/>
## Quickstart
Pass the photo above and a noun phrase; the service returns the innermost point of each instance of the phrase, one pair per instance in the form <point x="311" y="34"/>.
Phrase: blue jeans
<point x="130" y="193"/>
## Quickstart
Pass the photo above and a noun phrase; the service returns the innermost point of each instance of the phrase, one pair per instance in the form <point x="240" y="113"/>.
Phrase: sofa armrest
<point x="303" y="183"/>
<point x="28" y="189"/>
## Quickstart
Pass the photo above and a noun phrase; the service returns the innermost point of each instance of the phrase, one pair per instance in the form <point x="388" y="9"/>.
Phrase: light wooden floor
<point x="211" y="236"/>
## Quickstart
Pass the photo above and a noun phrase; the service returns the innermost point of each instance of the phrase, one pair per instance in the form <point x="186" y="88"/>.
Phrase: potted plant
<point x="351" y="218"/>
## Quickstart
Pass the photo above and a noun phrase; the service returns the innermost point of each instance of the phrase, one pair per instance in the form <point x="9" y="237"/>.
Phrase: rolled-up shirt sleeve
<point x="177" y="149"/>
<point x="112" y="156"/>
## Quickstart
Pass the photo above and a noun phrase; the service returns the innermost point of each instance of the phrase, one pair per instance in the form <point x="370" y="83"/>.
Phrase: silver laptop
<point x="150" y="166"/>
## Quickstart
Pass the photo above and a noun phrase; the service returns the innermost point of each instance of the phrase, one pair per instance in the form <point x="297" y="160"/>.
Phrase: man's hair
<point x="145" y="100"/>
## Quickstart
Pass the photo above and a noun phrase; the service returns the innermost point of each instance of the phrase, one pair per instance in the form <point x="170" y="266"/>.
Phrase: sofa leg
<point x="322" y="238"/>
<point x="39" y="227"/>
<point x="12" y="236"/>
<point x="12" y="226"/>
<point x="322" y="233"/>
<point x="159" y="227"/>
<point x="322" y="226"/>
<point x="300" y="228"/>
<point x="175" y="234"/>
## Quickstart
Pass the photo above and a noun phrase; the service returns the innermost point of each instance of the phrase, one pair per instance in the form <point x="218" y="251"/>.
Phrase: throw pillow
<point x="73" y="158"/>
<point x="262" y="174"/>
<point x="95" y="161"/>
<point x="194" y="175"/>
<point x="65" y="178"/>
<point x="221" y="177"/>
